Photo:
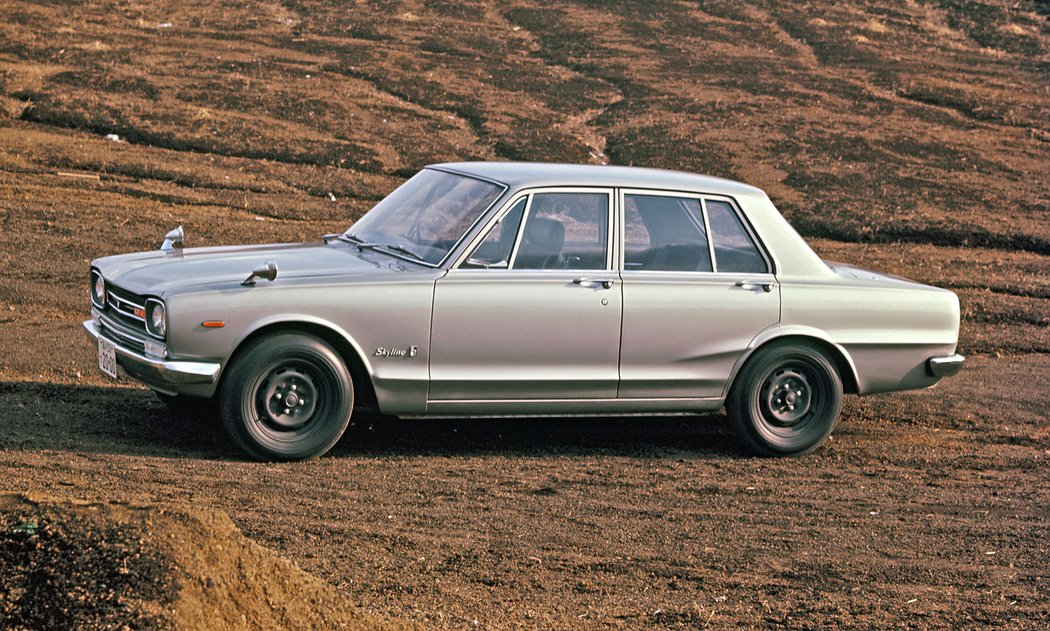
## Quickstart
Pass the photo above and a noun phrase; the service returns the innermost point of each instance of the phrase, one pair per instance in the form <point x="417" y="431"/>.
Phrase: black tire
<point x="786" y="400"/>
<point x="273" y="370"/>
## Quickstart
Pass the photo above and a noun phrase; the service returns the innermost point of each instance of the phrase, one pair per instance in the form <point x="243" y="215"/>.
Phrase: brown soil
<point x="908" y="137"/>
<point x="78" y="565"/>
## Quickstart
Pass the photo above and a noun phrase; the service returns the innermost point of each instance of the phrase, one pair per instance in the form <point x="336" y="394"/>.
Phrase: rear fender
<point x="838" y="354"/>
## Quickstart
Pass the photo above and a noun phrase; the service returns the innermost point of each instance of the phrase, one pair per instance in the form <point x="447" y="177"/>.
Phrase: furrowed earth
<point x="909" y="137"/>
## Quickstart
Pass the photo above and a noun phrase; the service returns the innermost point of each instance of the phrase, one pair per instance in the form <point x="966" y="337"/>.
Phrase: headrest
<point x="542" y="230"/>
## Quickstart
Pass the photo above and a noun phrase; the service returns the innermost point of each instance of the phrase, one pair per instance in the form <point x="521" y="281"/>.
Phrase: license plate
<point x="107" y="357"/>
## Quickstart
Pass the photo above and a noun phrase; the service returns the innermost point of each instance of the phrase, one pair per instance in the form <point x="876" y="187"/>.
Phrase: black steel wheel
<point x="288" y="396"/>
<point x="786" y="400"/>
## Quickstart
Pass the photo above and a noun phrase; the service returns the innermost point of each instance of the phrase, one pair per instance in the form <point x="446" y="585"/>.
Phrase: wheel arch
<point x="344" y="345"/>
<point x="843" y="362"/>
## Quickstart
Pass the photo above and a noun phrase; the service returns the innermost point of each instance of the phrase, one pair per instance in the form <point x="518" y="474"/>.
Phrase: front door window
<point x="565" y="231"/>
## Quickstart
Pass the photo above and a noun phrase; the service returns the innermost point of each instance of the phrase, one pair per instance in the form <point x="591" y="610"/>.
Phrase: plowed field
<point x="910" y="137"/>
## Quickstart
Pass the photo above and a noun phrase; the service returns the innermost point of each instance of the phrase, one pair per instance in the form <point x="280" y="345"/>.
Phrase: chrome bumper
<point x="944" y="366"/>
<point x="159" y="372"/>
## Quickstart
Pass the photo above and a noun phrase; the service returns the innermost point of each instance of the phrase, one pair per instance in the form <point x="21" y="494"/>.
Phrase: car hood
<point x="157" y="273"/>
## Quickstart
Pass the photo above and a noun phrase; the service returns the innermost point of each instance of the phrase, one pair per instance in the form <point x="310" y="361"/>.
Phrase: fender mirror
<point x="267" y="270"/>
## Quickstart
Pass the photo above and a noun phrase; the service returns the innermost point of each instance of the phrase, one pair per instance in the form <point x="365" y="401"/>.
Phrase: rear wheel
<point x="786" y="400"/>
<point x="289" y="396"/>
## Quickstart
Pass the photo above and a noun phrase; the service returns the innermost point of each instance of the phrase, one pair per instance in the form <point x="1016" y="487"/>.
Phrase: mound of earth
<point x="75" y="565"/>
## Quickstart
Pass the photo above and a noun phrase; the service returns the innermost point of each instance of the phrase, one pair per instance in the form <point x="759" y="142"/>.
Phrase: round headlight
<point x="156" y="318"/>
<point x="98" y="289"/>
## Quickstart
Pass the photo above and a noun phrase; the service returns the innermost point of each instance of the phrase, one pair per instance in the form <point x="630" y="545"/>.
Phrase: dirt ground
<point x="911" y="137"/>
<point x="112" y="565"/>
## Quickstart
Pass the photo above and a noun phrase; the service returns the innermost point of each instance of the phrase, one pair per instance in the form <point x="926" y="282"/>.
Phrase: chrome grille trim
<point x="121" y="305"/>
<point x="120" y="333"/>
<point x="125" y="306"/>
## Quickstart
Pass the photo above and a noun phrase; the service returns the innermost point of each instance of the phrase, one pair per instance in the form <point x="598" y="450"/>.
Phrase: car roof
<point x="519" y="175"/>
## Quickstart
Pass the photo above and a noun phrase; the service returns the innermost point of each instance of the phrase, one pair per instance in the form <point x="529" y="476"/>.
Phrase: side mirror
<point x="267" y="270"/>
<point x="172" y="240"/>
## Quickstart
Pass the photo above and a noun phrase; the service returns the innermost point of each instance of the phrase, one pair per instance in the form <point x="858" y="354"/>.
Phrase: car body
<point x="502" y="288"/>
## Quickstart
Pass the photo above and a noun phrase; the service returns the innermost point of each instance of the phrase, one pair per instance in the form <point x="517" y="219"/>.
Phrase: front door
<point x="534" y="313"/>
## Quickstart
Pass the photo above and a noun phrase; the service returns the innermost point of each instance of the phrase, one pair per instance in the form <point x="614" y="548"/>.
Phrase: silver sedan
<point x="507" y="288"/>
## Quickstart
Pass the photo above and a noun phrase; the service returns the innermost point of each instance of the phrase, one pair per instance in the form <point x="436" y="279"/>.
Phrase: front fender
<point x="400" y="385"/>
<point x="290" y="320"/>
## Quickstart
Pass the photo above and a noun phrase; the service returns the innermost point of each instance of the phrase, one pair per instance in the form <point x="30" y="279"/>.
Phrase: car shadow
<point x="111" y="420"/>
<point x="373" y="435"/>
<point x="132" y="421"/>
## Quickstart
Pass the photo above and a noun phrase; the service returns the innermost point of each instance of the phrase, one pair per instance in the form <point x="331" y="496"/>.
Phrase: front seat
<point x="541" y="244"/>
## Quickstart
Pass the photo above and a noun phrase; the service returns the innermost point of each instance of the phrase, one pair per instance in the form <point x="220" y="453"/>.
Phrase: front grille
<point x="120" y="336"/>
<point x="122" y="306"/>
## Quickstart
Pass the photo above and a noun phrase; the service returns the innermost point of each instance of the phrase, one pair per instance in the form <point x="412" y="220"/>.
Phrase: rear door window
<point x="664" y="233"/>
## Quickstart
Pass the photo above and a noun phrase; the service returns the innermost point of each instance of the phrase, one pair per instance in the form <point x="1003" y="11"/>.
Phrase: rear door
<point x="697" y="289"/>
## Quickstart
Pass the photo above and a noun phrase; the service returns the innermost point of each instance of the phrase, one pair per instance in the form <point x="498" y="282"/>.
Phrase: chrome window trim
<point x="622" y="200"/>
<point x="746" y="223"/>
<point x="702" y="197"/>
<point x="616" y="235"/>
<point x="477" y="220"/>
<point x="713" y="275"/>
<point x="477" y="240"/>
<point x="521" y="230"/>
<point x="710" y="236"/>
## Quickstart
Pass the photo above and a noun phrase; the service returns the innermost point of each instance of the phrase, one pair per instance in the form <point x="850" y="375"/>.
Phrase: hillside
<point x="912" y="137"/>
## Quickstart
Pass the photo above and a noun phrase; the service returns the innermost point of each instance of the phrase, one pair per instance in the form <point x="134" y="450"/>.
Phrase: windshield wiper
<point x="363" y="245"/>
<point x="391" y="246"/>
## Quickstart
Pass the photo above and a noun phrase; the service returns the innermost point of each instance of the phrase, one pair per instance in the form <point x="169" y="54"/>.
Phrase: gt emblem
<point x="411" y="351"/>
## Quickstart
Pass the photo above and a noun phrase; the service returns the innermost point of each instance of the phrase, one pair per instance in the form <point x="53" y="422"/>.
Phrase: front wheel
<point x="786" y="400"/>
<point x="288" y="396"/>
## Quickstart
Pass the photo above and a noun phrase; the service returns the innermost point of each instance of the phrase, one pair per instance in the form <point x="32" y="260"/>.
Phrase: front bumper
<point x="944" y="366"/>
<point x="164" y="375"/>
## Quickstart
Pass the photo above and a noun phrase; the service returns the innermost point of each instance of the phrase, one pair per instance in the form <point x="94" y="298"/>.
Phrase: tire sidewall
<point x="745" y="405"/>
<point x="250" y="369"/>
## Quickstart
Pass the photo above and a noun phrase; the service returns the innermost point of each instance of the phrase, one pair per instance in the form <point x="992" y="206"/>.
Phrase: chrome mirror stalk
<point x="267" y="270"/>
<point x="172" y="240"/>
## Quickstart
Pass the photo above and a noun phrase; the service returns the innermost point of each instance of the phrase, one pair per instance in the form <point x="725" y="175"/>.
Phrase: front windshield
<point x="425" y="217"/>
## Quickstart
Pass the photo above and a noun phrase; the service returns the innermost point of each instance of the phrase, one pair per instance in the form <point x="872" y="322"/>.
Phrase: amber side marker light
<point x="213" y="324"/>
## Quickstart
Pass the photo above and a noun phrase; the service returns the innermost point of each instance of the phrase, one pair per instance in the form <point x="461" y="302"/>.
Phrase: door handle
<point x="746" y="284"/>
<point x="605" y="283"/>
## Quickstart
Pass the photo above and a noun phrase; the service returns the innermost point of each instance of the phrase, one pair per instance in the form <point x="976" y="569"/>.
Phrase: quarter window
<point x="497" y="247"/>
<point x="735" y="251"/>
